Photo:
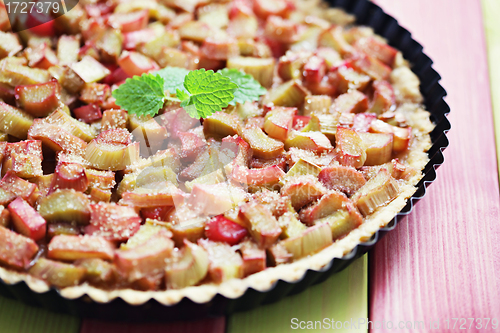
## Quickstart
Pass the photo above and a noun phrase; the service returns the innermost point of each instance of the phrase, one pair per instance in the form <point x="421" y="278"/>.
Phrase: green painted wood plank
<point x="491" y="13"/>
<point x="16" y="317"/>
<point x="344" y="296"/>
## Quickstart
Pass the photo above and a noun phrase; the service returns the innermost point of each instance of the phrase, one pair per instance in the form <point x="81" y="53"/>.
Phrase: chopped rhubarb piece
<point x="56" y="138"/>
<point x="314" y="141"/>
<point x="341" y="178"/>
<point x="187" y="226"/>
<point x="242" y="21"/>
<point x="351" y="102"/>
<point x="342" y="221"/>
<point x="260" y="163"/>
<point x="314" y="69"/>
<point x="145" y="259"/>
<point x="219" y="48"/>
<point x="109" y="43"/>
<point x="97" y="271"/>
<point x="74" y="127"/>
<point x="261" y="224"/>
<point x="188" y="268"/>
<point x="377" y="192"/>
<point x="134" y="38"/>
<point x="4" y="217"/>
<point x="111" y="156"/>
<point x="281" y="30"/>
<point x="265" y="8"/>
<point x="273" y="201"/>
<point x="178" y="121"/>
<point x="377" y="49"/>
<point x="262" y="69"/>
<point x="384" y="98"/>
<point x="88" y="113"/>
<point x="278" y="255"/>
<point x="41" y="56"/>
<point x="156" y="213"/>
<point x="350" y="148"/>
<point x="134" y="63"/>
<point x="290" y="93"/>
<point x="254" y="258"/>
<point x="299" y="122"/>
<point x="215" y="199"/>
<point x="10" y="44"/>
<point x="26" y="220"/>
<point x="97" y="93"/>
<point x="113" y="222"/>
<point x="20" y="187"/>
<point x="65" y="205"/>
<point x="70" y="176"/>
<point x="310" y="241"/>
<point x="39" y="99"/>
<point x="290" y="225"/>
<point x="158" y="194"/>
<point x="101" y="179"/>
<point x="224" y="262"/>
<point x="24" y="165"/>
<point x="7" y="93"/>
<point x="100" y="195"/>
<point x="62" y="228"/>
<point x="191" y="145"/>
<point x="16" y="74"/>
<point x="372" y="67"/>
<point x="302" y="168"/>
<point x="149" y="176"/>
<point x="290" y="66"/>
<point x="14" y="121"/>
<point x="220" y="229"/>
<point x="68" y="247"/>
<point x="90" y="70"/>
<point x="327" y="205"/>
<point x="378" y="147"/>
<point x="127" y="22"/>
<point x="67" y="49"/>
<point x="303" y="190"/>
<point x="334" y="38"/>
<point x="362" y="121"/>
<point x="317" y="104"/>
<point x="346" y="79"/>
<point x="257" y="177"/>
<point x="164" y="158"/>
<point x="220" y="125"/>
<point x="57" y="273"/>
<point x="18" y="251"/>
<point x="114" y="118"/>
<point x="402" y="136"/>
<point x="279" y="122"/>
<point x="262" y="145"/>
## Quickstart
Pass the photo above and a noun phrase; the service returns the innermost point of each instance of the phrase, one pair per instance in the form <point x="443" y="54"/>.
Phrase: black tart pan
<point x="369" y="14"/>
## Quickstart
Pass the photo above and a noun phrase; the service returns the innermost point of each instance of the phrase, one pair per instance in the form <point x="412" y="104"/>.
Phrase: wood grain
<point x="443" y="261"/>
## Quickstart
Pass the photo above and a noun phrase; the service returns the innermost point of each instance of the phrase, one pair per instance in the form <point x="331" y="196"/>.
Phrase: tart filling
<point x="97" y="200"/>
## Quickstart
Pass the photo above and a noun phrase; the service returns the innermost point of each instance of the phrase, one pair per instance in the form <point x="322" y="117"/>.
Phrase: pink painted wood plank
<point x="443" y="260"/>
<point x="210" y="325"/>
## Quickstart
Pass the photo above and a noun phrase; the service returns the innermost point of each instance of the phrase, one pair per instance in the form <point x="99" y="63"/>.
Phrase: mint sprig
<point x="249" y="89"/>
<point x="205" y="91"/>
<point x="142" y="95"/>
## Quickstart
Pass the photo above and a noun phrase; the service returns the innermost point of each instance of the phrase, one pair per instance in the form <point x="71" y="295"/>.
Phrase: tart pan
<point x="369" y="14"/>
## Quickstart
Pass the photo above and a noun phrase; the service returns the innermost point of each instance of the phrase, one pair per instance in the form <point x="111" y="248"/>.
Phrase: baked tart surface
<point x="99" y="201"/>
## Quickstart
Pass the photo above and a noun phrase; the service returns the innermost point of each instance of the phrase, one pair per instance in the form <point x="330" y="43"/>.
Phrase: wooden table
<point x="442" y="261"/>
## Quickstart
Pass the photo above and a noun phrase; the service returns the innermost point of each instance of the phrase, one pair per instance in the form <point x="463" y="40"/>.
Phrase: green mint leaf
<point x="173" y="77"/>
<point x="141" y="95"/>
<point x="249" y="89"/>
<point x="182" y="95"/>
<point x="210" y="92"/>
